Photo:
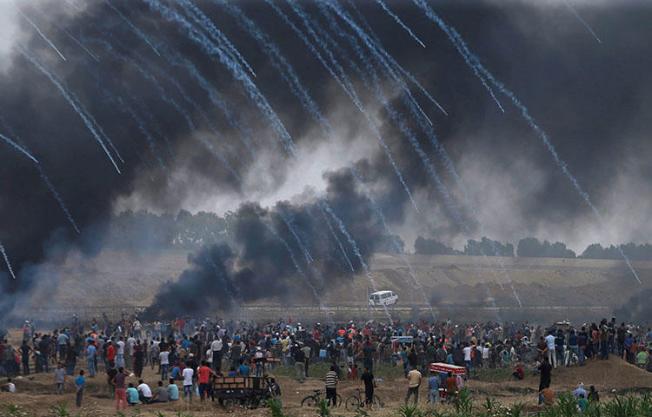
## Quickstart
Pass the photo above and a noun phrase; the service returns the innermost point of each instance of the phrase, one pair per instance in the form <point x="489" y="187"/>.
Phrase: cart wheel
<point x="352" y="403"/>
<point x="309" y="401"/>
<point x="253" y="403"/>
<point x="229" y="404"/>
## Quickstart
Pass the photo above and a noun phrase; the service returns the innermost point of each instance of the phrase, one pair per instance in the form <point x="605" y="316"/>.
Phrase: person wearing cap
<point x="259" y="360"/>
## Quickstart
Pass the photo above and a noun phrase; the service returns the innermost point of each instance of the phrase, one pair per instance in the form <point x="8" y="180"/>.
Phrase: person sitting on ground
<point x="144" y="392"/>
<point x="642" y="358"/>
<point x="161" y="394"/>
<point x="132" y="395"/>
<point x="580" y="391"/>
<point x="547" y="397"/>
<point x="8" y="386"/>
<point x="582" y="403"/>
<point x="173" y="390"/>
<point x="176" y="372"/>
<point x="519" y="372"/>
<point x="594" y="397"/>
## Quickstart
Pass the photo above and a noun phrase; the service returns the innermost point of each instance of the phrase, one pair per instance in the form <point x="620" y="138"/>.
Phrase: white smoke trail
<point x="41" y="34"/>
<point x="18" y="148"/>
<point x="474" y="62"/>
<point x="4" y="255"/>
<point x="400" y="22"/>
<point x="582" y="21"/>
<point x="133" y="27"/>
<point x="76" y="106"/>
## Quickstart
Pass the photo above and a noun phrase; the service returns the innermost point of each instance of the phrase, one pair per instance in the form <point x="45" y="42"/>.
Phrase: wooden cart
<point x="248" y="392"/>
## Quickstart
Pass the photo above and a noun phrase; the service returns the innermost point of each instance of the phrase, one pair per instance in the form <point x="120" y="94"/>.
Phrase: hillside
<point x="461" y="286"/>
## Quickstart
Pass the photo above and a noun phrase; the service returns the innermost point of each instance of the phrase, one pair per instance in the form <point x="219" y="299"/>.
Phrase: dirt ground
<point x="456" y="286"/>
<point x="36" y="393"/>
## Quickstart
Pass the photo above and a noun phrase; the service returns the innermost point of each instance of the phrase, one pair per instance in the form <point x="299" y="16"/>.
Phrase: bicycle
<point x="358" y="401"/>
<point x="314" y="399"/>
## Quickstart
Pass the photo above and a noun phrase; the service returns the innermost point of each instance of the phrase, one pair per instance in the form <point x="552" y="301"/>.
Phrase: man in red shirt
<point x="204" y="379"/>
<point x="110" y="354"/>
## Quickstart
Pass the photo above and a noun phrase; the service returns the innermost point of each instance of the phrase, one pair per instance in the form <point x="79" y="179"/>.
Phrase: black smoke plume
<point x="592" y="99"/>
<point x="288" y="252"/>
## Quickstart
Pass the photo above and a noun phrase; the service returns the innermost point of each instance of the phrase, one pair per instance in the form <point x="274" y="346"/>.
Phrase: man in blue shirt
<point x="80" y="383"/>
<point x="243" y="370"/>
<point x="433" y="388"/>
<point x="173" y="391"/>
<point x="91" y="352"/>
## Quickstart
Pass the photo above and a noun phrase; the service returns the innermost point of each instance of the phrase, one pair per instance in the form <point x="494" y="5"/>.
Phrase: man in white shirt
<point x="187" y="382"/>
<point x="164" y="360"/>
<point x="485" y="354"/>
<point x="144" y="392"/>
<point x="467" y="357"/>
<point x="8" y="387"/>
<point x="120" y="353"/>
<point x="129" y="351"/>
<point x="216" y="347"/>
<point x="550" y="345"/>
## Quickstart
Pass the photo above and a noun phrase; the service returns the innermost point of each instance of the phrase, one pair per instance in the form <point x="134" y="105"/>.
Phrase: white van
<point x="382" y="298"/>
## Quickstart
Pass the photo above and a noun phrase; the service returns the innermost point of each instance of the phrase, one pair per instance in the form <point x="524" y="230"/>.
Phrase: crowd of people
<point x="192" y="352"/>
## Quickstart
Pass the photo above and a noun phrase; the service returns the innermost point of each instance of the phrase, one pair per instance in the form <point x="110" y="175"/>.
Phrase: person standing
<point x="138" y="359"/>
<point x="299" y="364"/>
<point x="368" y="355"/>
<point x="25" y="350"/>
<point x="91" y="358"/>
<point x="59" y="378"/>
<point x="550" y="346"/>
<point x="414" y="382"/>
<point x="467" y="358"/>
<point x="80" y="383"/>
<point x="259" y="360"/>
<point x="306" y="356"/>
<point x="187" y="381"/>
<point x="331" y="386"/>
<point x="546" y="374"/>
<point x="119" y="382"/>
<point x="216" y="347"/>
<point x="433" y="388"/>
<point x="164" y="360"/>
<point x="120" y="353"/>
<point x="369" y="385"/>
<point x="451" y="387"/>
<point x="204" y="377"/>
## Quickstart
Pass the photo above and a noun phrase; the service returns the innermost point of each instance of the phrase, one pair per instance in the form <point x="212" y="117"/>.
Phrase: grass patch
<point x="493" y="374"/>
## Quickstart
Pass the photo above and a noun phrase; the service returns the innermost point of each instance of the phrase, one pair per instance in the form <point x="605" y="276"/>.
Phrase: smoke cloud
<point x="190" y="137"/>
